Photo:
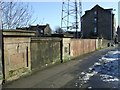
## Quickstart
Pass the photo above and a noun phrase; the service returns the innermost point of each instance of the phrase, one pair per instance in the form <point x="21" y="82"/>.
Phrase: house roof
<point x="97" y="6"/>
<point x="42" y="27"/>
<point x="102" y="8"/>
<point x="34" y="27"/>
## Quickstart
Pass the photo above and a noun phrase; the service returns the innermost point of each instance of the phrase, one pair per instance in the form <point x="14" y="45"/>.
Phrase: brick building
<point x="42" y="30"/>
<point x="98" y="23"/>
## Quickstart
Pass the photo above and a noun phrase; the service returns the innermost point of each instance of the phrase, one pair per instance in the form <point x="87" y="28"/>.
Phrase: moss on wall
<point x="44" y="52"/>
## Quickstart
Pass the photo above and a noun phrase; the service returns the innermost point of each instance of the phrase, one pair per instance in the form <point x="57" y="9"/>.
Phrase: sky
<point x="50" y="12"/>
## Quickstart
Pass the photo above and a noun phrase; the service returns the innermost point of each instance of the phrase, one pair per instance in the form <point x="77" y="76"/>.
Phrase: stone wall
<point x="16" y="56"/>
<point x="44" y="51"/>
<point x="1" y="58"/>
<point x="66" y="49"/>
<point x="102" y="43"/>
<point x="21" y="33"/>
<point x="24" y="54"/>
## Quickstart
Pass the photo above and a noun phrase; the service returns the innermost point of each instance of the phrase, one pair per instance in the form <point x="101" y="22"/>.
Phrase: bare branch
<point x="15" y="14"/>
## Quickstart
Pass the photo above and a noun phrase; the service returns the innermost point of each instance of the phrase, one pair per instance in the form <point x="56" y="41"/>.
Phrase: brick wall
<point x="82" y="46"/>
<point x="76" y="47"/>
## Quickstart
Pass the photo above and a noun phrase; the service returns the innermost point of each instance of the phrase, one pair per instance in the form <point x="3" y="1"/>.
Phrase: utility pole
<point x="71" y="16"/>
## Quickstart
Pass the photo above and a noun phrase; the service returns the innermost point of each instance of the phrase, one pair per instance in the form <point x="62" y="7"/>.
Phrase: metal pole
<point x="80" y="11"/>
<point x="62" y="14"/>
<point x="68" y="17"/>
<point x="76" y="23"/>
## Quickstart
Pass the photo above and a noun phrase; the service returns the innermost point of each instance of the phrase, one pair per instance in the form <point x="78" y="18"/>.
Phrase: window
<point x="41" y="31"/>
<point x="95" y="13"/>
<point x="95" y="30"/>
<point x="95" y="20"/>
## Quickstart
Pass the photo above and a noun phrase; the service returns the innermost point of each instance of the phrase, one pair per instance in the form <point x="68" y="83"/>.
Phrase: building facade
<point x="98" y="23"/>
<point x="41" y="30"/>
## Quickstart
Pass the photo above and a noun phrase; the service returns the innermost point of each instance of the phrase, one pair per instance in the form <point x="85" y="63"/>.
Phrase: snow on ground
<point x="107" y="67"/>
<point x="108" y="78"/>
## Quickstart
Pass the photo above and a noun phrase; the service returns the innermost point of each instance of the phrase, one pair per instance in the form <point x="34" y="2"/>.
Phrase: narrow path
<point x="59" y="75"/>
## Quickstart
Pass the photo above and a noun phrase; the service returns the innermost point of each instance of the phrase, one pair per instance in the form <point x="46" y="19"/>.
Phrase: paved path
<point x="59" y="75"/>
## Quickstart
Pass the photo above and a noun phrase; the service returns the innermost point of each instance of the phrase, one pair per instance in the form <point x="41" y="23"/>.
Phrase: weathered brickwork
<point x="77" y="47"/>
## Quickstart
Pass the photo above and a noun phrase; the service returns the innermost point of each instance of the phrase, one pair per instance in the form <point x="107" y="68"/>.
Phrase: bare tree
<point x="15" y="14"/>
<point x="59" y="30"/>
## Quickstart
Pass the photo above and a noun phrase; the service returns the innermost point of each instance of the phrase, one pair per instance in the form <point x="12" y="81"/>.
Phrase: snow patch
<point x="83" y="73"/>
<point x="108" y="78"/>
<point x="106" y="67"/>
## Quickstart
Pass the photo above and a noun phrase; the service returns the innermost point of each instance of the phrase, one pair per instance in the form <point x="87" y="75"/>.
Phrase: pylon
<point x="71" y="16"/>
